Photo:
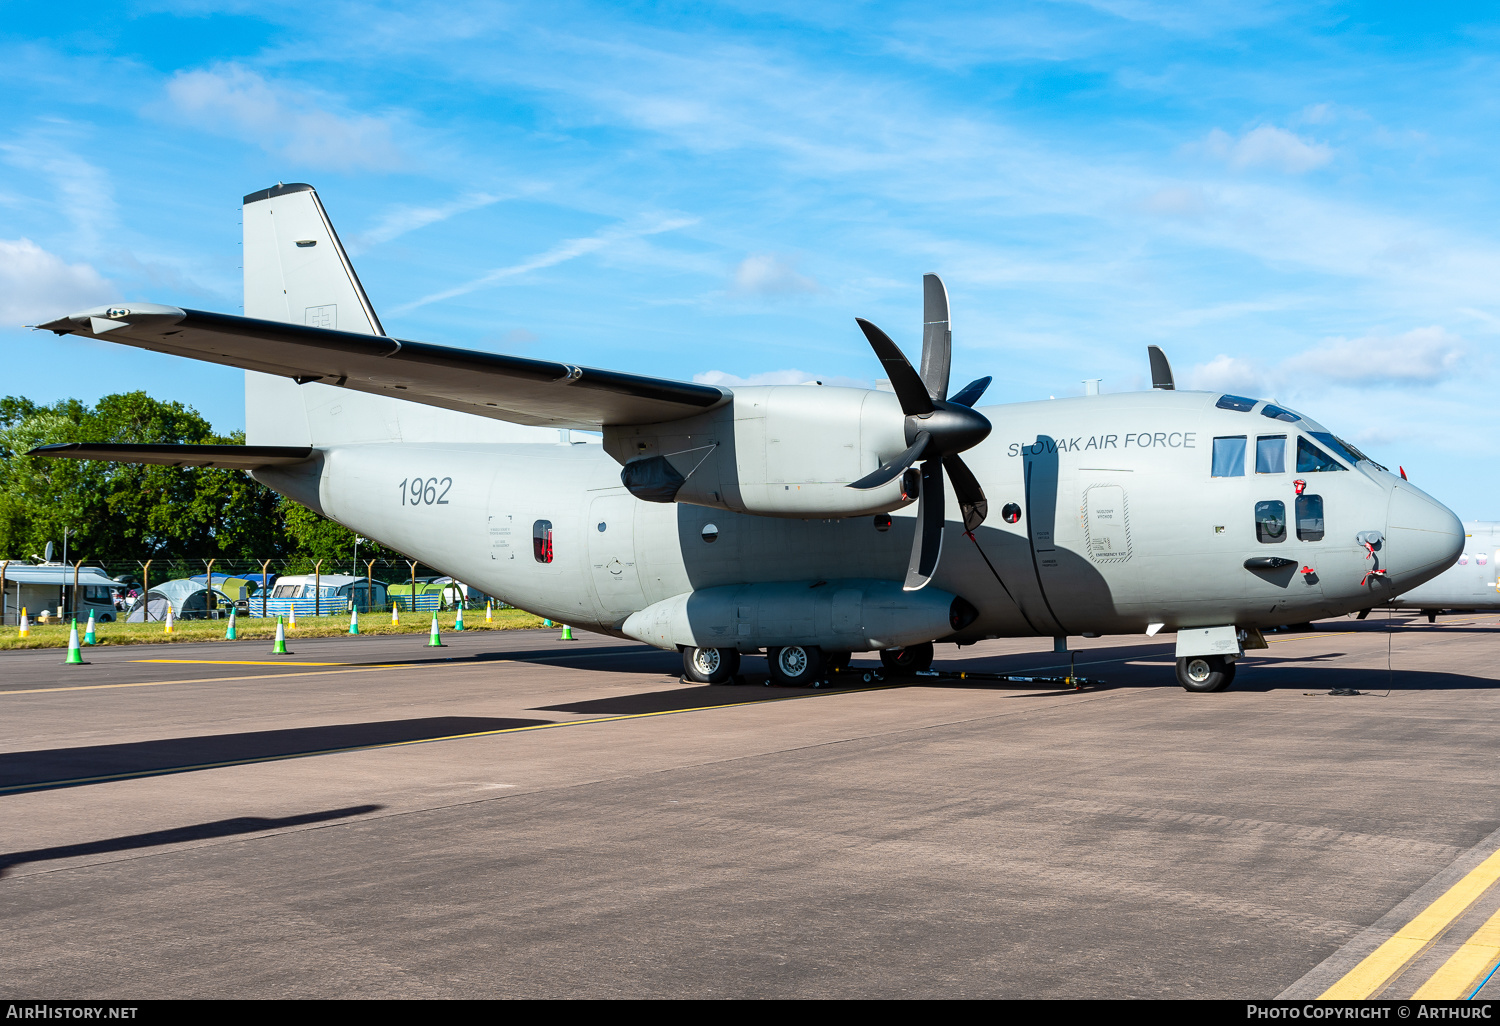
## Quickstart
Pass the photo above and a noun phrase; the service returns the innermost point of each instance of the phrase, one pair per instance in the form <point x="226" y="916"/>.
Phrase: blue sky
<point x="1295" y="200"/>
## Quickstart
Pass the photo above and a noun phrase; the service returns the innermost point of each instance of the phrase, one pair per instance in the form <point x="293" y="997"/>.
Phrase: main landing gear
<point x="1205" y="673"/>
<point x="710" y="665"/>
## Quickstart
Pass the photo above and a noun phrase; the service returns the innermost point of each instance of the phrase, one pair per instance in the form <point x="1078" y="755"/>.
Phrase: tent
<point x="188" y="599"/>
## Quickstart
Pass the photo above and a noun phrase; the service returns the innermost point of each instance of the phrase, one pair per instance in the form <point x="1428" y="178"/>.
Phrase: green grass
<point x="56" y="635"/>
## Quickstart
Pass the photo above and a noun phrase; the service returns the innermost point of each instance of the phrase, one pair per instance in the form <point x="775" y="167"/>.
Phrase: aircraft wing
<point x="229" y="457"/>
<point x="536" y="392"/>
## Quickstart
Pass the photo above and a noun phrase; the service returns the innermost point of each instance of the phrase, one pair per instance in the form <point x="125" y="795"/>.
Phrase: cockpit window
<point x="1270" y="454"/>
<point x="1342" y="448"/>
<point x="1277" y="413"/>
<point x="1229" y="456"/>
<point x="1236" y="402"/>
<point x="1312" y="460"/>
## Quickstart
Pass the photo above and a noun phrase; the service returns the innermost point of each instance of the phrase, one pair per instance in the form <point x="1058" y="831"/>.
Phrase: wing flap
<point x="510" y="388"/>
<point x="228" y="457"/>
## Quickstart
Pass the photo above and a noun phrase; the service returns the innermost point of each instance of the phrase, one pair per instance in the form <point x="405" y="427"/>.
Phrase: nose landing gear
<point x="1205" y="673"/>
<point x="911" y="659"/>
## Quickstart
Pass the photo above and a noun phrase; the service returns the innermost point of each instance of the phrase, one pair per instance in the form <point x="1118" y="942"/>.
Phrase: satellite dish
<point x="47" y="553"/>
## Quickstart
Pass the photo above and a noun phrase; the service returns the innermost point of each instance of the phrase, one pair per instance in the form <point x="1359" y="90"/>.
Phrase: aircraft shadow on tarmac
<point x="177" y="835"/>
<point x="22" y="772"/>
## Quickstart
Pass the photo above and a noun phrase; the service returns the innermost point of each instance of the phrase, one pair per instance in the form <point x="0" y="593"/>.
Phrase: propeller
<point x="937" y="430"/>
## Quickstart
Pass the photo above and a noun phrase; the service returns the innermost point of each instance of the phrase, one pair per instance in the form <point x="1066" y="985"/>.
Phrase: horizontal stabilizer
<point x="229" y="457"/>
<point x="522" y="391"/>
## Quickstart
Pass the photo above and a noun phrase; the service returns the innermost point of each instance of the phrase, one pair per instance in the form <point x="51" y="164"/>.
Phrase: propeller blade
<point x="894" y="468"/>
<point x="971" y="498"/>
<point x="1161" y="370"/>
<point x="937" y="339"/>
<point x="908" y="386"/>
<point x="970" y="393"/>
<point x="927" y="543"/>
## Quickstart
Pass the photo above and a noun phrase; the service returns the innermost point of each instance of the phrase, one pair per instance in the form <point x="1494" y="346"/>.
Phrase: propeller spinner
<point x="937" y="430"/>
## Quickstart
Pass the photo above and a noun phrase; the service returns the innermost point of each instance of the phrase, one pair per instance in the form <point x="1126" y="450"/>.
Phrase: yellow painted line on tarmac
<point x="47" y="785"/>
<point x="1413" y="938"/>
<point x="1308" y="637"/>
<point x="245" y="662"/>
<point x="1457" y="977"/>
<point x="213" y="680"/>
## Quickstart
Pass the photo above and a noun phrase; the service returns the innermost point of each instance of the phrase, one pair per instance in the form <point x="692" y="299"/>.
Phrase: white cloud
<point x="83" y="191"/>
<point x="1422" y="356"/>
<point x="38" y="286"/>
<point x="236" y="101"/>
<point x="1267" y="146"/>
<point x="764" y="274"/>
<point x="566" y="250"/>
<point x="400" y="220"/>
<point x="778" y="377"/>
<point x="1228" y="374"/>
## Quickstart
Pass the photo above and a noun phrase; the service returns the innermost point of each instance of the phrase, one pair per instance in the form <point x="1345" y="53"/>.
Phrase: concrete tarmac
<point x="515" y="816"/>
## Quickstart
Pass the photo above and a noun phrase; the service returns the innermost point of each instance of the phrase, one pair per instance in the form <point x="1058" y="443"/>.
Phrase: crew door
<point x="612" y="563"/>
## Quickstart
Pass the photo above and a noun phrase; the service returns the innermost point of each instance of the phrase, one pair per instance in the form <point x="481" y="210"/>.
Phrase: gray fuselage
<point x="1121" y="525"/>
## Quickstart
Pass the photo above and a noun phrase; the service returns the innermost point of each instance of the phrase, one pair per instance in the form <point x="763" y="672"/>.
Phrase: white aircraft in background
<point x="806" y="522"/>
<point x="1470" y="583"/>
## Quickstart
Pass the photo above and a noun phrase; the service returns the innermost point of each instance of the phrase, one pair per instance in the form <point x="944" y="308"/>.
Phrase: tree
<point x="119" y="511"/>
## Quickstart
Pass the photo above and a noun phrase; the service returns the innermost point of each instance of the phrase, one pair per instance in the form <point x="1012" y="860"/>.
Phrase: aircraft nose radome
<point x="1423" y="537"/>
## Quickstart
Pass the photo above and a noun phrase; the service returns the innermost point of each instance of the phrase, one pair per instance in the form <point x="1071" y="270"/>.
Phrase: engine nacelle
<point x="782" y="450"/>
<point x="857" y="615"/>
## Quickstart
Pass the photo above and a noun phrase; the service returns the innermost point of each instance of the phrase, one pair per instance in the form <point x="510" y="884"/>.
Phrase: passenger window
<point x="1277" y="413"/>
<point x="1270" y="454"/>
<point x="1235" y="402"/>
<point x="1229" y="456"/>
<point x="541" y="541"/>
<point x="1270" y="521"/>
<point x="1311" y="459"/>
<point x="1309" y="518"/>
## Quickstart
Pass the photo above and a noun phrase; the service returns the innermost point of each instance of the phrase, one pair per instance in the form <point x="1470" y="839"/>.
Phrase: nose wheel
<point x="1205" y="673"/>
<point x="911" y="659"/>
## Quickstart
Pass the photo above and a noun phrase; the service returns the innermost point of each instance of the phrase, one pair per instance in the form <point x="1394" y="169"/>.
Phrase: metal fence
<point x="65" y="602"/>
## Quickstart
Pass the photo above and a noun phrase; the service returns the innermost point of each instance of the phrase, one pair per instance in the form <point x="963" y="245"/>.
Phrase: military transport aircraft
<point x="809" y="522"/>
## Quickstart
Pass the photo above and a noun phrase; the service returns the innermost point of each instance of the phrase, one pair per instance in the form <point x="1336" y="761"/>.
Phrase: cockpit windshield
<point x="1312" y="460"/>
<point x="1236" y="402"/>
<point x="1277" y="413"/>
<point x="1343" y="448"/>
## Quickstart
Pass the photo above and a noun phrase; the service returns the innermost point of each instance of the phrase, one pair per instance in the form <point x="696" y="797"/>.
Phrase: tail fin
<point x="296" y="269"/>
<point x="296" y="272"/>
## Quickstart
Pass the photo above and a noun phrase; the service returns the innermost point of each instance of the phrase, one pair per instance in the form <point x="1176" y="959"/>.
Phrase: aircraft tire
<point x="911" y="659"/>
<point x="1204" y="674"/>
<point x="796" y="666"/>
<point x="710" y="665"/>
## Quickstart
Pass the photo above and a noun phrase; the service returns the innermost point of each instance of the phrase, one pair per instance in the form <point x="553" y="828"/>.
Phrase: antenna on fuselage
<point x="1161" y="370"/>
